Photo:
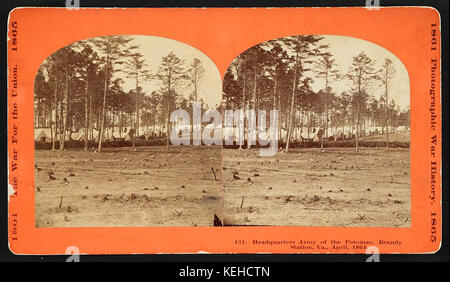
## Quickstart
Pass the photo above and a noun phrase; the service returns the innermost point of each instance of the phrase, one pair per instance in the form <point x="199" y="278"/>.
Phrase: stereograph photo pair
<point x="224" y="130"/>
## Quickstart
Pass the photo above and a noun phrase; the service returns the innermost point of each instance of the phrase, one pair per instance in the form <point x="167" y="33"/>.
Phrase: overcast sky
<point x="154" y="48"/>
<point x="345" y="48"/>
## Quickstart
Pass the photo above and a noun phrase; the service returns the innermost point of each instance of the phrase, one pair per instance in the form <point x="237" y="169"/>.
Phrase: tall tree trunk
<point x="70" y="123"/>
<point x="386" y="116"/>
<point x="281" y="116"/>
<point x="120" y="123"/>
<point x="54" y="117"/>
<point x="309" y="123"/>
<point x="86" y="116"/>
<point x="113" y="122"/>
<point x="45" y="114"/>
<point x="168" y="125"/>
<point x="244" y="106"/>
<point x="51" y="129"/>
<point x="136" y="125"/>
<point x="250" y="134"/>
<point x="65" y="114"/>
<point x="136" y="108"/>
<point x="357" y="113"/>
<point x="60" y="117"/>
<point x="275" y="92"/>
<point x="301" y="123"/>
<point x="357" y="128"/>
<point x="195" y="84"/>
<point x="364" y="125"/>
<point x="274" y="105"/>
<point x="36" y="117"/>
<point x="294" y="86"/>
<point x="325" y="133"/>
<point x="91" y="127"/>
<point x="154" y="122"/>
<point x="105" y="90"/>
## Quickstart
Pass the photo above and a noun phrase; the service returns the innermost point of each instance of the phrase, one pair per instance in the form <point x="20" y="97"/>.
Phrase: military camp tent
<point x="401" y="128"/>
<point x="42" y="135"/>
<point x="78" y="136"/>
<point x="311" y="137"/>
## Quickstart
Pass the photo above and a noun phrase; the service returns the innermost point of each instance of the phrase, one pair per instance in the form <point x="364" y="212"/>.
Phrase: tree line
<point x="80" y="88"/>
<point x="278" y="74"/>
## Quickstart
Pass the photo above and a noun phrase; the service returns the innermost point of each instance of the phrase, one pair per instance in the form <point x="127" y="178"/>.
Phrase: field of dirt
<point x="118" y="187"/>
<point x="186" y="186"/>
<point x="339" y="187"/>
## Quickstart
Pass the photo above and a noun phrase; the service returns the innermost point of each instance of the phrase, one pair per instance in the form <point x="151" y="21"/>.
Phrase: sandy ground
<point x="339" y="187"/>
<point x="156" y="187"/>
<point x="148" y="187"/>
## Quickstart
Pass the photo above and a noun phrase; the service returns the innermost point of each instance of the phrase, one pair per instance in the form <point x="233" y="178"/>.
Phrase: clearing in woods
<point x="186" y="186"/>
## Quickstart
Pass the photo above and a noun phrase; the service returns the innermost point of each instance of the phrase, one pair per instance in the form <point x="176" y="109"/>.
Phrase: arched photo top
<point x="151" y="50"/>
<point x="342" y="52"/>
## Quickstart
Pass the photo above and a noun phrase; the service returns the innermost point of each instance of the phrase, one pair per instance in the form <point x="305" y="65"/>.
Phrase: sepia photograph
<point x="102" y="151"/>
<point x="109" y="112"/>
<point x="343" y="130"/>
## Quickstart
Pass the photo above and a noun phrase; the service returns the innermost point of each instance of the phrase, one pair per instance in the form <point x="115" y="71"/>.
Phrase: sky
<point x="154" y="48"/>
<point x="345" y="48"/>
<point x="342" y="48"/>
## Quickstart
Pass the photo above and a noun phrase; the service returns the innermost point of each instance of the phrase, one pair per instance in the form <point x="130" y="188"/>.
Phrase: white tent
<point x="114" y="133"/>
<point x="108" y="134"/>
<point x="296" y="133"/>
<point x="401" y="128"/>
<point x="117" y="135"/>
<point x="375" y="129"/>
<point x="42" y="135"/>
<point x="94" y="135"/>
<point x="312" y="136"/>
<point x="283" y="135"/>
<point x="78" y="136"/>
<point x="127" y="135"/>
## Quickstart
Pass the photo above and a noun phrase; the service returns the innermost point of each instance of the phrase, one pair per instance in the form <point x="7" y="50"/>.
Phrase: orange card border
<point x="38" y="32"/>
